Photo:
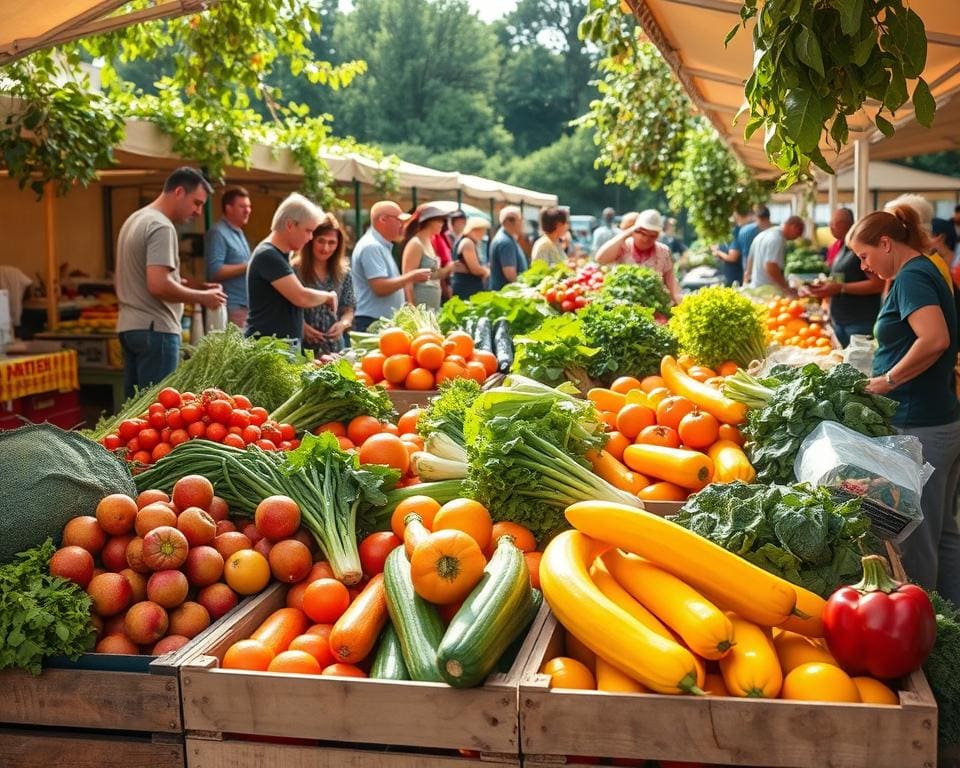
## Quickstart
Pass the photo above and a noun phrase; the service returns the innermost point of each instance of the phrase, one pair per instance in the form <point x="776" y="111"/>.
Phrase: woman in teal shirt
<point x="916" y="333"/>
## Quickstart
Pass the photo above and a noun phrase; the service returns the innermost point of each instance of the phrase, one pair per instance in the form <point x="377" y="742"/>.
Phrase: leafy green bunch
<point x="819" y="63"/>
<point x="799" y="533"/>
<point x="639" y="286"/>
<point x="717" y="324"/>
<point x="942" y="669"/>
<point x="541" y="272"/>
<point x="628" y="339"/>
<point x="555" y="352"/>
<point x="523" y="307"/>
<point x="447" y="411"/>
<point x="40" y="615"/>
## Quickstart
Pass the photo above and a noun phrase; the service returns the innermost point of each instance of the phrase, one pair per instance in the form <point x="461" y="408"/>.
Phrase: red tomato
<point x="551" y="295"/>
<point x="258" y="415"/>
<point x="566" y="305"/>
<point x="165" y="435"/>
<point x="111" y="442"/>
<point x="133" y="445"/>
<point x="270" y="431"/>
<point x="374" y="550"/>
<point x="190" y="413"/>
<point x="251" y="434"/>
<point x="128" y="430"/>
<point x="148" y="439"/>
<point x="240" y="418"/>
<point x="157" y="419"/>
<point x="267" y="445"/>
<point x="216" y="432"/>
<point x="234" y="441"/>
<point x="197" y="429"/>
<point x="242" y="402"/>
<point x="169" y="398"/>
<point x="179" y="436"/>
<point x="175" y="418"/>
<point x="220" y="411"/>
<point x="141" y="457"/>
<point x="579" y="301"/>
<point x="161" y="450"/>
<point x="288" y="432"/>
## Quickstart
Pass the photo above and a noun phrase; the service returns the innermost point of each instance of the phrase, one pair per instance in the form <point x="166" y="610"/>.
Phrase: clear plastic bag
<point x="859" y="353"/>
<point x="888" y="472"/>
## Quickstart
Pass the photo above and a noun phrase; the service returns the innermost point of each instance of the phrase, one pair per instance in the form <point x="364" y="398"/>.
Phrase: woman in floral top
<point x="636" y="243"/>
<point x="322" y="264"/>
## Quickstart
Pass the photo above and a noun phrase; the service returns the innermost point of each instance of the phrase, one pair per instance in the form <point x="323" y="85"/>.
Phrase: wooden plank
<point x="38" y="748"/>
<point x="76" y="698"/>
<point x="729" y="731"/>
<point x="202" y="753"/>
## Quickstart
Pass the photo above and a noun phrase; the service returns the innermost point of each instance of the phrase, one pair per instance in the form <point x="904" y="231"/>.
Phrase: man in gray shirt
<point x="227" y="252"/>
<point x="605" y="231"/>
<point x="768" y="253"/>
<point x="377" y="282"/>
<point x="150" y="290"/>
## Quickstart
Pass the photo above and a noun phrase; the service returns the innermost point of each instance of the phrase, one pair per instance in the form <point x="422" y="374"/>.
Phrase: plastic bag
<point x="888" y="472"/>
<point x="859" y="353"/>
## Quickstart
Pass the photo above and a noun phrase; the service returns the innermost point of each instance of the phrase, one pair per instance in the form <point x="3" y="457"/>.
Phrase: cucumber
<point x="469" y="325"/>
<point x="388" y="664"/>
<point x="483" y="335"/>
<point x="417" y="623"/>
<point x="503" y="345"/>
<point x="493" y="615"/>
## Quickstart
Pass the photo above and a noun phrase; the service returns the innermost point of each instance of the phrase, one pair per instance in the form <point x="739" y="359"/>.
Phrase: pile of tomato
<point x="214" y="415"/>
<point x="572" y="293"/>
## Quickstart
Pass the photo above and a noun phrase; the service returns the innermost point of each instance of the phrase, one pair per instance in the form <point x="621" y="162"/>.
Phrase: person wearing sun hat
<point x="637" y="244"/>
<point x="469" y="272"/>
<point x="418" y="253"/>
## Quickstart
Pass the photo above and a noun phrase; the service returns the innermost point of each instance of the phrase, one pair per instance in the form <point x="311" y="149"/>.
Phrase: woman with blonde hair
<point x="916" y="334"/>
<point x="469" y="272"/>
<point x="322" y="264"/>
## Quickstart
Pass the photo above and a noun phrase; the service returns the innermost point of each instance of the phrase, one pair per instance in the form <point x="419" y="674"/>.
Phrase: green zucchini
<point x="416" y="621"/>
<point x="497" y="610"/>
<point x="388" y="664"/>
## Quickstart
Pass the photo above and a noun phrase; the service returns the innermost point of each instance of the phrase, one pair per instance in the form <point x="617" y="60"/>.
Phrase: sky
<point x="488" y="10"/>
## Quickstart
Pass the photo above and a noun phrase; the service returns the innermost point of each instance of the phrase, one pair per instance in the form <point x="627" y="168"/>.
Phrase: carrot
<point x="606" y="399"/>
<point x="280" y="627"/>
<point x="706" y="397"/>
<point x="356" y="631"/>
<point x="615" y="472"/>
<point x="688" y="469"/>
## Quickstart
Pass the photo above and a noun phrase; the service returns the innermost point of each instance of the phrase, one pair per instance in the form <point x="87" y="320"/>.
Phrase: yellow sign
<point x="33" y="374"/>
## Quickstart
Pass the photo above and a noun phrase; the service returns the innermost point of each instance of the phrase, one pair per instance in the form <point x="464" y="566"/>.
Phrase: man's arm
<point x="160" y="284"/>
<point x="290" y="287"/>
<point x="775" y="272"/>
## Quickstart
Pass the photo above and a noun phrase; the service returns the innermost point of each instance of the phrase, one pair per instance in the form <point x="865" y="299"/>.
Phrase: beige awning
<point x="29" y="26"/>
<point x="889" y="177"/>
<point x="690" y="33"/>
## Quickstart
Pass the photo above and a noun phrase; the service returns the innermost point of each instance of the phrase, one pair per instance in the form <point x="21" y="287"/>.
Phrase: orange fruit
<point x="396" y="368"/>
<point x="424" y="506"/>
<point x="523" y="537"/>
<point x="345" y="443"/>
<point x="248" y="654"/>
<point x="246" y="571"/>
<point x="698" y="429"/>
<point x="316" y="645"/>
<point x="488" y="359"/>
<point x="477" y="372"/>
<point x="430" y="356"/>
<point x="730" y="432"/>
<point x="616" y="443"/>
<point x="394" y="341"/>
<point x="414" y="439"/>
<point x="390" y="428"/>
<point x="609" y="418"/>
<point x="462" y="343"/>
<point x="372" y="365"/>
<point x="468" y="516"/>
<point x="335" y="428"/>
<point x="364" y="379"/>
<point x="362" y="427"/>
<point x="385" y="449"/>
<point x="633" y="418"/>
<point x="672" y="409"/>
<point x="427" y="337"/>
<point x="533" y="565"/>
<point x="420" y="379"/>
<point x="450" y="370"/>
<point x="325" y="600"/>
<point x="651" y="383"/>
<point x="116" y="513"/>
<point x="408" y="421"/>
<point x="624" y="384"/>
<point x="343" y="670"/>
<point x="565" y="672"/>
<point x="299" y="662"/>
<point x="727" y="368"/>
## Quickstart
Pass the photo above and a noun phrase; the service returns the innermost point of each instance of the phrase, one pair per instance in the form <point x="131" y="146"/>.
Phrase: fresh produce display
<point x="639" y="287"/>
<point x="47" y="477"/>
<point x="41" y="614"/>
<point x="786" y="406"/>
<point x="799" y="533"/>
<point x="263" y="369"/>
<point x="718" y="324"/>
<point x="327" y="484"/>
<point x="555" y="352"/>
<point x="787" y="326"/>
<point x="803" y="259"/>
<point x="571" y="293"/>
<point x="212" y="415"/>
<point x="878" y="626"/>
<point x="629" y="340"/>
<point x="523" y="307"/>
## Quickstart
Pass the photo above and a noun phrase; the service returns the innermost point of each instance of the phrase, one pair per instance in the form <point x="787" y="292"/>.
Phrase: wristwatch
<point x="888" y="378"/>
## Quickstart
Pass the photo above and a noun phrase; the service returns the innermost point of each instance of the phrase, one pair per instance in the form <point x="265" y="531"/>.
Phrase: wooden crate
<point x="408" y="717"/>
<point x="405" y="399"/>
<point x="102" y="709"/>
<point x="724" y="731"/>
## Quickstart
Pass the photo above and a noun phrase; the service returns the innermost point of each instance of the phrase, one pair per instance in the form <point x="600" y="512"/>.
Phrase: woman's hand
<point x="337" y="330"/>
<point x="311" y="335"/>
<point x="331" y="300"/>
<point x="878" y="385"/>
<point x="824" y="290"/>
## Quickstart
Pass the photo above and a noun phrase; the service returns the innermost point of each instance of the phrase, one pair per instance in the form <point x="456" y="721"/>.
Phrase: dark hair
<point x="188" y="178"/>
<point x="232" y="194"/>
<point x="956" y="209"/>
<point x="846" y="213"/>
<point x="762" y="212"/>
<point x="551" y="218"/>
<point x="305" y="261"/>
<point x="944" y="228"/>
<point x="902" y="225"/>
<point x="415" y="224"/>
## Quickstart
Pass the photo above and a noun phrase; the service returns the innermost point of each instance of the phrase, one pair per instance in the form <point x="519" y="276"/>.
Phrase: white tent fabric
<point x="888" y="177"/>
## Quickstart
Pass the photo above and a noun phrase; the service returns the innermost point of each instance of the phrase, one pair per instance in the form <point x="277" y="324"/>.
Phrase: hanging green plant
<point x="818" y="63"/>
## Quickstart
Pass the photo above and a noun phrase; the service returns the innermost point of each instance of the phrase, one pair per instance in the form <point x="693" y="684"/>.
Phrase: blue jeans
<point x="148" y="356"/>
<point x="362" y="322"/>
<point x="846" y="330"/>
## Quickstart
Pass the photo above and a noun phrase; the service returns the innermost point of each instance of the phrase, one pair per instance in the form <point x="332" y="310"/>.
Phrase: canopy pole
<point x="459" y="198"/>
<point x="493" y="221"/>
<point x="356" y="210"/>
<point x="413" y="194"/>
<point x="861" y="178"/>
<point x="53" y="269"/>
<point x="832" y="193"/>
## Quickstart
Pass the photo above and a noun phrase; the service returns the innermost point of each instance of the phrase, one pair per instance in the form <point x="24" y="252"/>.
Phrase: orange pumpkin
<point x="446" y="566"/>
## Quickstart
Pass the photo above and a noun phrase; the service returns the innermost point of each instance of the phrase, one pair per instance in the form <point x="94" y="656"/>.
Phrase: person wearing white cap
<point x="469" y="273"/>
<point x="637" y="243"/>
<point x="418" y="253"/>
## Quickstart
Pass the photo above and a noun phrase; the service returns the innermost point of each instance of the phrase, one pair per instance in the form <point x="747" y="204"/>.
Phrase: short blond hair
<point x="920" y="205"/>
<point x="510" y="212"/>
<point x="296" y="209"/>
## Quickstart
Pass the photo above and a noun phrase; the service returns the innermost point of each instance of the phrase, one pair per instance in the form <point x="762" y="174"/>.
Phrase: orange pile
<point x="786" y="326"/>
<point x="424" y="361"/>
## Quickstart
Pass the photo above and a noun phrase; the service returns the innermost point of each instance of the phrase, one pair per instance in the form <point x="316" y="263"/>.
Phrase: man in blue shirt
<point x="227" y="252"/>
<point x="507" y="259"/>
<point x="747" y="234"/>
<point x="377" y="282"/>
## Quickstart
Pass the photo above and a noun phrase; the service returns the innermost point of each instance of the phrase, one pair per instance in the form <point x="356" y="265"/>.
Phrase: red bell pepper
<point x="879" y="627"/>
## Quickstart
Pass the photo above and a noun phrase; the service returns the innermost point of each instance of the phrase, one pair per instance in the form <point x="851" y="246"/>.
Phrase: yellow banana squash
<point x="609" y="678"/>
<point x="752" y="668"/>
<point x="725" y="579"/>
<point x="703" y="627"/>
<point x="612" y="589"/>
<point x="605" y="628"/>
<point x="730" y="463"/>
<point x="811" y="604"/>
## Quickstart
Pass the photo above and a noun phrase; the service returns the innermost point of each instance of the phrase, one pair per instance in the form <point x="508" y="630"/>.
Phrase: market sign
<point x="33" y="374"/>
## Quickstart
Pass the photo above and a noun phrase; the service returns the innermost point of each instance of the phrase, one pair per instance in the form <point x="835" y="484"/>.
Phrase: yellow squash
<point x="725" y="579"/>
<point x="811" y="604"/>
<point x="794" y="650"/>
<point x="820" y="682"/>
<point x="605" y="628"/>
<point x="609" y="678"/>
<point x="577" y="650"/>
<point x="730" y="463"/>
<point x="703" y="627"/>
<point x="751" y="668"/>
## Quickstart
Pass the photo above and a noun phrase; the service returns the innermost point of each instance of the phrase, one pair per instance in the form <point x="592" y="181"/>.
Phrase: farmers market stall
<point x="39" y="387"/>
